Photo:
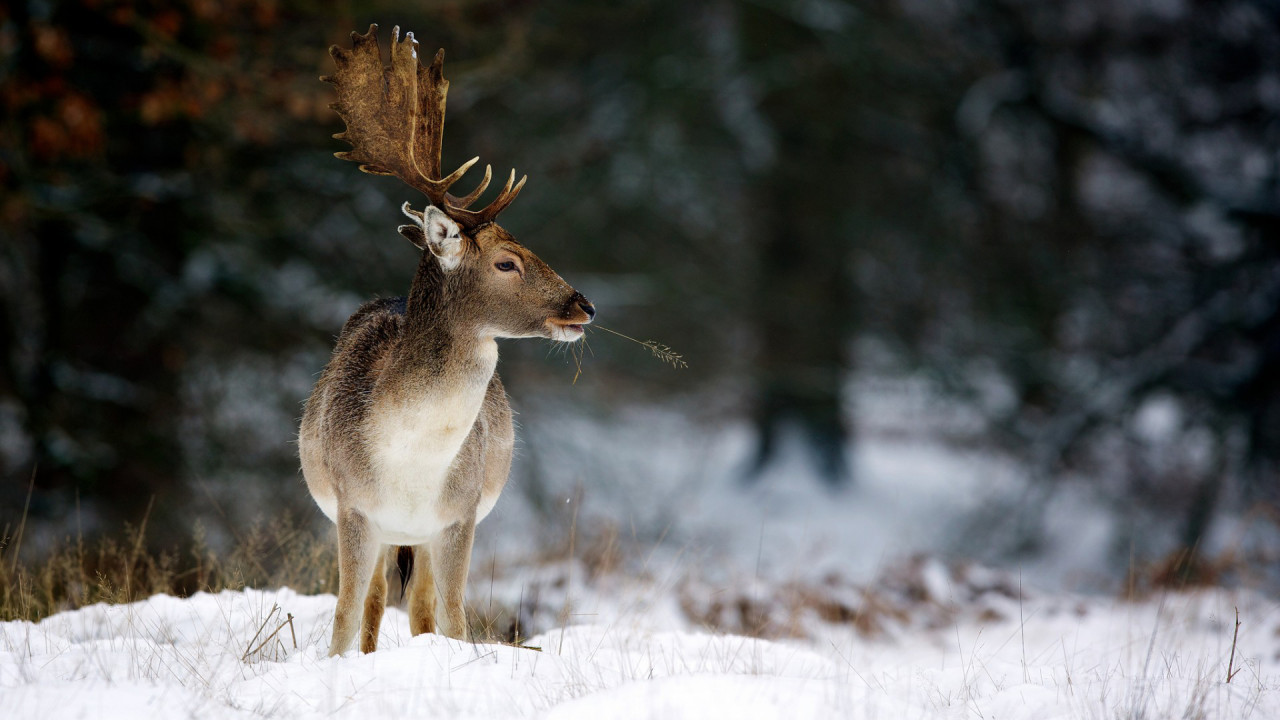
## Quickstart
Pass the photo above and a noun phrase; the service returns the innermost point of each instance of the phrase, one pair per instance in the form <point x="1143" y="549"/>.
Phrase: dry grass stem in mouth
<point x="578" y="350"/>
<point x="660" y="351"/>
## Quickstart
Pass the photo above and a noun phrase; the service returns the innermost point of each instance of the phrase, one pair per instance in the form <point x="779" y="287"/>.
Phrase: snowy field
<point x="236" y="655"/>
<point x="778" y="600"/>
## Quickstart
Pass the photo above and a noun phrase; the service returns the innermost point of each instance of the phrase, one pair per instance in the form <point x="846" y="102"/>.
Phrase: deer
<point x="406" y="439"/>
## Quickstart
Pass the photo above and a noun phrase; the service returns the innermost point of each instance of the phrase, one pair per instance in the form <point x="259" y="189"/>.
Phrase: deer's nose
<point x="586" y="306"/>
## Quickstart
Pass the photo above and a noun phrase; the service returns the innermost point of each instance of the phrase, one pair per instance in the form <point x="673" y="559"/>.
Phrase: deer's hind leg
<point x="422" y="592"/>
<point x="374" y="604"/>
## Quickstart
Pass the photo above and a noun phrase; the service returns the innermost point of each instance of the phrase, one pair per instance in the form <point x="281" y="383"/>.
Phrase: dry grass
<point x="125" y="567"/>
<point x="79" y="572"/>
<point x="1237" y="564"/>
<point x="917" y="593"/>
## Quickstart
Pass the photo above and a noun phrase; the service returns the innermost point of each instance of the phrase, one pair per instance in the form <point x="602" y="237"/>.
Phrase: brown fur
<point x="407" y="436"/>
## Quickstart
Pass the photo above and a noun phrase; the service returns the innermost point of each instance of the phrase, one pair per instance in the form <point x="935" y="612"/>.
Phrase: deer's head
<point x="509" y="291"/>
<point x="395" y="124"/>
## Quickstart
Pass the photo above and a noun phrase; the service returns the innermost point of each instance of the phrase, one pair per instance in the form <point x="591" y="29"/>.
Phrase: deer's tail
<point x="404" y="564"/>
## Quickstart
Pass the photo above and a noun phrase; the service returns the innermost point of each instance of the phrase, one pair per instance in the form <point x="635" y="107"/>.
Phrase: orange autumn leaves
<point x="202" y="62"/>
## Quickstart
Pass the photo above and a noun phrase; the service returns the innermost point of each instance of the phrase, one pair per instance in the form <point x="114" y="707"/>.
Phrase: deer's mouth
<point x="564" y="331"/>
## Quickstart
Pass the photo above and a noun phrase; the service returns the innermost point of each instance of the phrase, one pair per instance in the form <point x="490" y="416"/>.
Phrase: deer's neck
<point x="441" y="340"/>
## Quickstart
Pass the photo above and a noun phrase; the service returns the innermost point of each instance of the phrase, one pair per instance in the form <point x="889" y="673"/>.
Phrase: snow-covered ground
<point x="215" y="656"/>
<point x="659" y="586"/>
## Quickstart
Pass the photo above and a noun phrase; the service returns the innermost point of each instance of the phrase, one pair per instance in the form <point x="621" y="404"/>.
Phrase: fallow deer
<point x="406" y="439"/>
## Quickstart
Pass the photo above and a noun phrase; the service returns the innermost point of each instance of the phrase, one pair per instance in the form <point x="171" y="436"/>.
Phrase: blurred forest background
<point x="1060" y="221"/>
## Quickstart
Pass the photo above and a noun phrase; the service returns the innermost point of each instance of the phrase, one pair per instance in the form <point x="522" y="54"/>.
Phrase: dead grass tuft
<point x="918" y="592"/>
<point x="75" y="572"/>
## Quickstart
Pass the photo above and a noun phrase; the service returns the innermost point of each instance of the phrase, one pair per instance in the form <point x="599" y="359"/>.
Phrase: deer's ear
<point x="414" y="234"/>
<point x="437" y="233"/>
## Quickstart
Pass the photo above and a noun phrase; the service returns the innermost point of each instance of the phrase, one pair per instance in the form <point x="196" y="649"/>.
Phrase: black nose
<point x="586" y="306"/>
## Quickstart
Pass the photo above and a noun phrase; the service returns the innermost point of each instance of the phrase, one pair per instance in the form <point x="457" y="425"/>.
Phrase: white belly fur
<point x="412" y="448"/>
<point x="412" y="451"/>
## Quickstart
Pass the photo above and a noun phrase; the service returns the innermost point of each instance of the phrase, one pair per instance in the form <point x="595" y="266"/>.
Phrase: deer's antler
<point x="395" y="123"/>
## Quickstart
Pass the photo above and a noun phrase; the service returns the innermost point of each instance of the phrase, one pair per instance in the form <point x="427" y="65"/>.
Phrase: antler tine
<point x="456" y="175"/>
<point x="505" y="198"/>
<point x="465" y="201"/>
<point x="507" y="188"/>
<point x="395" y="122"/>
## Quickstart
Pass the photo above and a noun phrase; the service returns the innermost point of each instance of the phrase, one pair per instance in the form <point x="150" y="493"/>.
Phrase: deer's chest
<point x="413" y="447"/>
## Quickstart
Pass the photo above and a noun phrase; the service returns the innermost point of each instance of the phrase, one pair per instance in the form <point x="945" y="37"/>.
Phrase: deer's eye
<point x="505" y="266"/>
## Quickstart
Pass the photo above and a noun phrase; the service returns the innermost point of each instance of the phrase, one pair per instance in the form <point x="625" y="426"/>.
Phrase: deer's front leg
<point x="357" y="556"/>
<point x="451" y="557"/>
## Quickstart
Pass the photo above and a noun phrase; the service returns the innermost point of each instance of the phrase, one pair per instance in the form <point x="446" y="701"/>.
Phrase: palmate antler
<point x="395" y="123"/>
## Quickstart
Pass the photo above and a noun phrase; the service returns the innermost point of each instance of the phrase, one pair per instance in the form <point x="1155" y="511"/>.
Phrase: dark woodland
<point x="1063" y="218"/>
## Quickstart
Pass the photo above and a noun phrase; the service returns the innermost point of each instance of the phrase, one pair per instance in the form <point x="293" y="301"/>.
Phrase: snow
<point x="1070" y="657"/>
<point x="780" y="599"/>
